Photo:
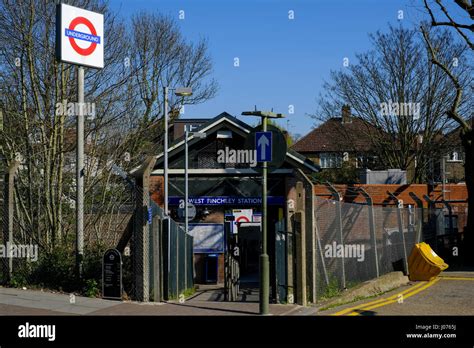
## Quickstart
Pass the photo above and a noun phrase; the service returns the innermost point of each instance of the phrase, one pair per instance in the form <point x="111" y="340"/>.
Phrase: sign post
<point x="80" y="41"/>
<point x="264" y="261"/>
<point x="263" y="145"/>
<point x="80" y="172"/>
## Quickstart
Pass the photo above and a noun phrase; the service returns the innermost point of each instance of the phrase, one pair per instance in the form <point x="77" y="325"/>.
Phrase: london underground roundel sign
<point x="80" y="36"/>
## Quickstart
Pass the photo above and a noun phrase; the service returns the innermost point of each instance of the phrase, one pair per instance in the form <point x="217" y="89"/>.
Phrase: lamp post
<point x="180" y="92"/>
<point x="264" y="261"/>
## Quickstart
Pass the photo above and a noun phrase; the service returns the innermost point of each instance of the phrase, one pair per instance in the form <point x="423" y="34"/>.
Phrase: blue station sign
<point x="228" y="200"/>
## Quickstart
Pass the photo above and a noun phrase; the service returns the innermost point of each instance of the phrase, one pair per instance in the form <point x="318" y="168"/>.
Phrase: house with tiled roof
<point x="338" y="140"/>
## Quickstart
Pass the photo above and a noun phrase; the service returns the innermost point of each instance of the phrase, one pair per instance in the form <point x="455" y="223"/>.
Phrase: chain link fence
<point x="170" y="256"/>
<point x="163" y="268"/>
<point x="357" y="242"/>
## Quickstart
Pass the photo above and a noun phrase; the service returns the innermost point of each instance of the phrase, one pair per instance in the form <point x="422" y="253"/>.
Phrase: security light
<point x="184" y="91"/>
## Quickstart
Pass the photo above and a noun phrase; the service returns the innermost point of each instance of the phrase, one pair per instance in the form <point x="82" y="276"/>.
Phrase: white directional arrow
<point x="263" y="142"/>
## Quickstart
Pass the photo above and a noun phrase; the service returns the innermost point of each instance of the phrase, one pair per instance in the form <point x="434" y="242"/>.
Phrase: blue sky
<point x="283" y="62"/>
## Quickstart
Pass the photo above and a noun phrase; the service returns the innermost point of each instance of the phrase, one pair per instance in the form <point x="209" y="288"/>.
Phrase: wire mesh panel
<point x="389" y="240"/>
<point x="181" y="250"/>
<point x="358" y="242"/>
<point x="358" y="249"/>
<point x="330" y="270"/>
<point x="173" y="262"/>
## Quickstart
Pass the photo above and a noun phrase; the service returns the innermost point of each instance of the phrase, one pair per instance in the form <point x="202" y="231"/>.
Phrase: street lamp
<point x="264" y="262"/>
<point x="180" y="92"/>
<point x="186" y="189"/>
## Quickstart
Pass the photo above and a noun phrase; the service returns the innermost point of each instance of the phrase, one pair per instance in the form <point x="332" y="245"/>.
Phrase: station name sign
<point x="228" y="200"/>
<point x="79" y="36"/>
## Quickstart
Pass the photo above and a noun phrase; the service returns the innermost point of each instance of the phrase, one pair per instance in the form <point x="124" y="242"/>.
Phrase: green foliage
<point x="56" y="270"/>
<point x="91" y="289"/>
<point x="18" y="281"/>
<point x="332" y="290"/>
<point x="189" y="292"/>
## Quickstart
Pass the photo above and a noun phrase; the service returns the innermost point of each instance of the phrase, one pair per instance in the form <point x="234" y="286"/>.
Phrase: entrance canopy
<point x="224" y="143"/>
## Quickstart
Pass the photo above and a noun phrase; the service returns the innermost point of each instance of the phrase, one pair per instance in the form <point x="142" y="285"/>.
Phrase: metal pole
<point x="11" y="208"/>
<point x="400" y="229"/>
<point x="443" y="175"/>
<point x="80" y="172"/>
<point x="337" y="197"/>
<point x="264" y="262"/>
<point x="165" y="147"/>
<point x="186" y="133"/>
<point x="370" y="205"/>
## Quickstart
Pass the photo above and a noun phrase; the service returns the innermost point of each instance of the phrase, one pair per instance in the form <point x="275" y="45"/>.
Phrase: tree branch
<point x="452" y="113"/>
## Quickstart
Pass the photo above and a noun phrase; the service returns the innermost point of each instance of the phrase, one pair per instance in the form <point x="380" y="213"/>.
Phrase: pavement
<point x="208" y="300"/>
<point x="451" y="293"/>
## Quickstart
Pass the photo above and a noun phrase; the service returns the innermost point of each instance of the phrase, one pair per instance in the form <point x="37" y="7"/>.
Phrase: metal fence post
<point x="370" y="206"/>
<point x="156" y="258"/>
<point x="185" y="261"/>
<point x="420" y="214"/>
<point x="177" y="262"/>
<point x="165" y="252"/>
<point x="337" y="197"/>
<point x="10" y="204"/>
<point x="141" y="231"/>
<point x="400" y="228"/>
<point x="320" y="247"/>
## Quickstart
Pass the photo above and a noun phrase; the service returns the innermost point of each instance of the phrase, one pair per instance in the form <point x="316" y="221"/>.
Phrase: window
<point x="330" y="160"/>
<point x="454" y="221"/>
<point x="366" y="161"/>
<point x="455" y="156"/>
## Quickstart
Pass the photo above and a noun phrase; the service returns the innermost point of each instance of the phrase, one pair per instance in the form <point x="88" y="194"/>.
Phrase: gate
<point x="281" y="281"/>
<point x="231" y="263"/>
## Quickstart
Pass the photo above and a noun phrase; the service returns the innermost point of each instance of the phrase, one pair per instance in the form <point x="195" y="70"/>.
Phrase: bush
<point x="91" y="288"/>
<point x="57" y="270"/>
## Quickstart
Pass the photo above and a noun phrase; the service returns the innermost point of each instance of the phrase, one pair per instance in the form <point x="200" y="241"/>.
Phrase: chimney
<point x="346" y="114"/>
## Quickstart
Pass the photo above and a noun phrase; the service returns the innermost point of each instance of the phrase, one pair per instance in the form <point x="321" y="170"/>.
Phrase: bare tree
<point x="395" y="91"/>
<point x="462" y="117"/>
<point x="36" y="90"/>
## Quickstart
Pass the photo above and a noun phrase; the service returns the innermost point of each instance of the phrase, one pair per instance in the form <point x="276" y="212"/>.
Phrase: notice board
<point x="208" y="238"/>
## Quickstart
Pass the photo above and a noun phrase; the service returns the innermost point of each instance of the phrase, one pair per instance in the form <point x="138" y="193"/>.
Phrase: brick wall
<point x="381" y="197"/>
<point x="157" y="185"/>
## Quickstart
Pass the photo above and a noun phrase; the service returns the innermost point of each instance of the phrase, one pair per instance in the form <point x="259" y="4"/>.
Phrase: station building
<point x="225" y="188"/>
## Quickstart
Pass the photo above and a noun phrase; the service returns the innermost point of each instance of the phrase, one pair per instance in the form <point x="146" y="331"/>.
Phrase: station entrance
<point x="224" y="257"/>
<point x="249" y="241"/>
<point x="242" y="257"/>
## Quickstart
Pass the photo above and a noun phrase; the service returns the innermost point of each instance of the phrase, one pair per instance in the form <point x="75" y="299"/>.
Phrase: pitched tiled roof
<point x="334" y="135"/>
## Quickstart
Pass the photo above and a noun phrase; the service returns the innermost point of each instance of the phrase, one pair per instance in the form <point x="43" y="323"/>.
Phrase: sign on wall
<point x="241" y="216"/>
<point x="79" y="36"/>
<point x="207" y="238"/>
<point x="228" y="200"/>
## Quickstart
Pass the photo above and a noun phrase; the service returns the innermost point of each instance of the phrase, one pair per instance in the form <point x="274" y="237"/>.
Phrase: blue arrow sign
<point x="150" y="215"/>
<point x="263" y="145"/>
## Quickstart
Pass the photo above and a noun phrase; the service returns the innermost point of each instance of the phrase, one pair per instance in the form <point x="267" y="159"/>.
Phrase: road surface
<point x="450" y="294"/>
